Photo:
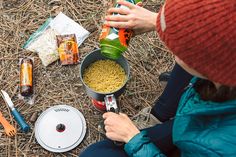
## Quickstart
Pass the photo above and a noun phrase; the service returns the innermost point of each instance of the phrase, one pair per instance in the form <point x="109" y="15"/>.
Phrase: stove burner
<point x="100" y="105"/>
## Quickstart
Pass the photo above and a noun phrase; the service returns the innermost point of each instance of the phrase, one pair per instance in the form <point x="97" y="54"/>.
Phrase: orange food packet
<point x="68" y="49"/>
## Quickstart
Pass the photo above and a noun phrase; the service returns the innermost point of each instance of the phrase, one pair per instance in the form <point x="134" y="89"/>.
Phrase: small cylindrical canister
<point x="114" y="41"/>
<point x="26" y="77"/>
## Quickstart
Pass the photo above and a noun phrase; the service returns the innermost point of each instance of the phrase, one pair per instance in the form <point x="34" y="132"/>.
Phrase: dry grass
<point x="58" y="84"/>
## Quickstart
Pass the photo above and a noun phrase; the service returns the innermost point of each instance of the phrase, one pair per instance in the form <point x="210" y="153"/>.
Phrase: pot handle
<point x="111" y="106"/>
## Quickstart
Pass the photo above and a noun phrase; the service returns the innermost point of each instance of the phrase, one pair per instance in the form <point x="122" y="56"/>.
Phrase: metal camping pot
<point x="95" y="56"/>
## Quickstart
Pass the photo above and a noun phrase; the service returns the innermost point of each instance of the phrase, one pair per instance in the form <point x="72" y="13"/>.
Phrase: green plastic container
<point x="113" y="41"/>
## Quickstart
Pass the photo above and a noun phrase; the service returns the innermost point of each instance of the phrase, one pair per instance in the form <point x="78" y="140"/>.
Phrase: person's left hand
<point x="119" y="127"/>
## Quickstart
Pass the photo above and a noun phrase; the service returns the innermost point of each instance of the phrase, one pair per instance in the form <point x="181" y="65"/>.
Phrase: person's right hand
<point x="134" y="17"/>
<point x="119" y="127"/>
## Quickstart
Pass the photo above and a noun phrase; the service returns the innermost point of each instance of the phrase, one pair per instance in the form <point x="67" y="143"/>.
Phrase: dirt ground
<point x="58" y="84"/>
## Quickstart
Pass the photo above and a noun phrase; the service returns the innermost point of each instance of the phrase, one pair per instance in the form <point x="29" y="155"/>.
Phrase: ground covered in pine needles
<point x="58" y="84"/>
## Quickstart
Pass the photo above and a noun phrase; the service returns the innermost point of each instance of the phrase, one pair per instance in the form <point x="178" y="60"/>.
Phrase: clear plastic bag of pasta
<point x="44" y="43"/>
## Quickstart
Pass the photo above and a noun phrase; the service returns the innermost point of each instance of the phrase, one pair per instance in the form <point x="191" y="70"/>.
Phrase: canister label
<point x="26" y="74"/>
<point x="125" y="36"/>
<point x="105" y="32"/>
<point x="118" y="38"/>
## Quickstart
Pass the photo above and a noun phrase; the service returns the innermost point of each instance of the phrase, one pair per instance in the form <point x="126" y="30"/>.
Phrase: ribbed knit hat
<point x="202" y="33"/>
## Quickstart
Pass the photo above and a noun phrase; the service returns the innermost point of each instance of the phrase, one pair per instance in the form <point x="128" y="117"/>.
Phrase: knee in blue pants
<point x="166" y="105"/>
<point x="105" y="148"/>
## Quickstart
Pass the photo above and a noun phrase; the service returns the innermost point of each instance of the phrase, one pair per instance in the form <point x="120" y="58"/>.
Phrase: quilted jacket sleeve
<point x="141" y="146"/>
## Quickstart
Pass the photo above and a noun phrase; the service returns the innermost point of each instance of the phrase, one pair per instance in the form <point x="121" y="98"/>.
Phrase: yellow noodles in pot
<point x="104" y="76"/>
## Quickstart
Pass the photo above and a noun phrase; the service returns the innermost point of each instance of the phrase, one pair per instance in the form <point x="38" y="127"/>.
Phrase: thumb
<point x="123" y="115"/>
<point x="108" y="114"/>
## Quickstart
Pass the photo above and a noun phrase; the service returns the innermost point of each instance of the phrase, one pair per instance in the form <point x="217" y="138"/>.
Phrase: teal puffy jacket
<point x="201" y="128"/>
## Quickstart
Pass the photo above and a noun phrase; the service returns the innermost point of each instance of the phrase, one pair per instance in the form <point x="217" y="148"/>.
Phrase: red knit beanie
<point x="202" y="33"/>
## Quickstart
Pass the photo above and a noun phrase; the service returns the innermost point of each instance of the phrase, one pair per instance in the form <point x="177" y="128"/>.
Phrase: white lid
<point x="60" y="128"/>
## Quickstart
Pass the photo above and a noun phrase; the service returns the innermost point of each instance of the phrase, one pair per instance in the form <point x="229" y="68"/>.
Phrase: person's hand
<point x="134" y="17"/>
<point x="119" y="127"/>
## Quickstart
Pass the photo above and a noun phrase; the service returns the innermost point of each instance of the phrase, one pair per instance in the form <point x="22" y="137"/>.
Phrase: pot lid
<point x="60" y="128"/>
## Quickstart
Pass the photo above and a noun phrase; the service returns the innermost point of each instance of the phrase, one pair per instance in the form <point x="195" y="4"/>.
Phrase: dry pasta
<point x="104" y="76"/>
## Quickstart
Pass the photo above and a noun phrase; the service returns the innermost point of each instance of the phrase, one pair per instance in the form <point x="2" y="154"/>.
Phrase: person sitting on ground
<point x="202" y="36"/>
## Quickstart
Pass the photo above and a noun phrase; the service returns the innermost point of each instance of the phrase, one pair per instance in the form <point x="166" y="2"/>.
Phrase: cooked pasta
<point x="104" y="76"/>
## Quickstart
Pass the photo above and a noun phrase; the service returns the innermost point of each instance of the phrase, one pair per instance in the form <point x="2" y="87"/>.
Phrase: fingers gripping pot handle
<point x="111" y="106"/>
